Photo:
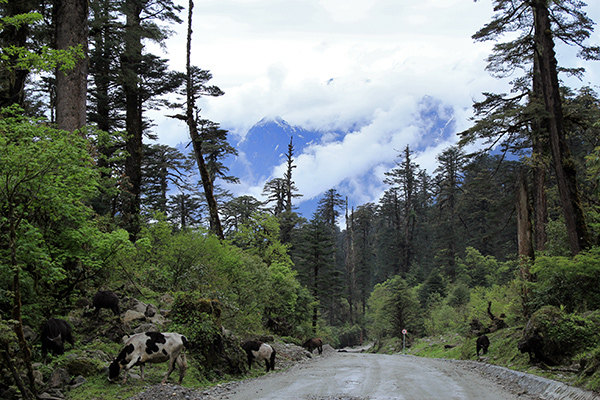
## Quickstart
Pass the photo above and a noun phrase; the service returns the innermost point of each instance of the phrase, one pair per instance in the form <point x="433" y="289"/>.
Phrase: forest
<point x="505" y="237"/>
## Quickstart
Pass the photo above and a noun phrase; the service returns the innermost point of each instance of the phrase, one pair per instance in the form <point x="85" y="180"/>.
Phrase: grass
<point x="503" y="352"/>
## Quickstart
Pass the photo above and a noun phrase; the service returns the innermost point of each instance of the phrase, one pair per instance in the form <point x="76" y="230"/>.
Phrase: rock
<point x="48" y="396"/>
<point x="167" y="299"/>
<point x="59" y="378"/>
<point x="82" y="366"/>
<point x="146" y="327"/>
<point x="158" y="319"/>
<point x="52" y="394"/>
<point x="78" y="381"/>
<point x="151" y="311"/>
<point x="38" y="378"/>
<point x="132" y="315"/>
<point x="30" y="335"/>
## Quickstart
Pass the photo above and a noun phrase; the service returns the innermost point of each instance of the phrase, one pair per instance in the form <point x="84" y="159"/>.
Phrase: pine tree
<point x="140" y="25"/>
<point x="533" y="52"/>
<point x="448" y="180"/>
<point x="403" y="178"/>
<point x="162" y="166"/>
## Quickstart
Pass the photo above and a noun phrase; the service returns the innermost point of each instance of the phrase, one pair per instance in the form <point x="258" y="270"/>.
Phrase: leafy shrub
<point x="564" y="335"/>
<point x="570" y="282"/>
<point x="199" y="319"/>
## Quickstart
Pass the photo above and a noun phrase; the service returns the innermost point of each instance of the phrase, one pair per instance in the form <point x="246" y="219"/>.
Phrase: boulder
<point x="59" y="378"/>
<point x="132" y="315"/>
<point x="83" y="366"/>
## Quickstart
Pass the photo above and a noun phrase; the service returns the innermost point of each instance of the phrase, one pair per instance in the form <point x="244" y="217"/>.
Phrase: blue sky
<point x="386" y="73"/>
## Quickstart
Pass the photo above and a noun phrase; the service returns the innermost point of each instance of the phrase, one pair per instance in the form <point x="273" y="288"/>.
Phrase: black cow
<point x="483" y="342"/>
<point x="259" y="351"/>
<point x="152" y="347"/>
<point x="314" y="343"/>
<point x="54" y="333"/>
<point x="106" y="299"/>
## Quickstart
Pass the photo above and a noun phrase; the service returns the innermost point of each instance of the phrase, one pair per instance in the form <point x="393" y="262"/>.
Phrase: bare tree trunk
<point x="525" y="245"/>
<point x="564" y="165"/>
<point x="207" y="179"/>
<point x="71" y="86"/>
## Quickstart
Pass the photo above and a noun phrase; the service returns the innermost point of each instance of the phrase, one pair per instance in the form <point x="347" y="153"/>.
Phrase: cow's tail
<point x="186" y="343"/>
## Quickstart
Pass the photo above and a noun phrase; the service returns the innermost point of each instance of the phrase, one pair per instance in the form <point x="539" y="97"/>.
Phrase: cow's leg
<point x="172" y="361"/>
<point x="182" y="365"/>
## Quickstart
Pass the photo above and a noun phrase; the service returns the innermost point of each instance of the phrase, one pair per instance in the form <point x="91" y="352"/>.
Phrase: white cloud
<point x="333" y="64"/>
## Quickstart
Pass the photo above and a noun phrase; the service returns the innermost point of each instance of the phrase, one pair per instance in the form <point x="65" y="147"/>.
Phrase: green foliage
<point x="564" y="334"/>
<point x="570" y="282"/>
<point x="479" y="270"/>
<point x="392" y="307"/>
<point x="46" y="180"/>
<point x="197" y="318"/>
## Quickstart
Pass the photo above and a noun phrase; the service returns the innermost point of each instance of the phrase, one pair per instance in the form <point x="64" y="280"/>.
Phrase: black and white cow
<point x="106" y="299"/>
<point x="152" y="347"/>
<point x="54" y="333"/>
<point x="259" y="351"/>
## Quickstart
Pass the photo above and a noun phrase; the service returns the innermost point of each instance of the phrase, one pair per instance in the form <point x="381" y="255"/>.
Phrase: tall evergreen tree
<point x="185" y="209"/>
<point x="162" y="166"/>
<point x="140" y="24"/>
<point x="448" y="180"/>
<point x="404" y="177"/>
<point x="315" y="262"/>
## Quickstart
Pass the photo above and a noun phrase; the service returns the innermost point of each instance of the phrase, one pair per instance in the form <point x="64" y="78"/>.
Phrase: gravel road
<point x="356" y="376"/>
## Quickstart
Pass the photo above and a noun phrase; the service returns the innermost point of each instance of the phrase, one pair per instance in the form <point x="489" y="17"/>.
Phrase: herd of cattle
<point x="150" y="347"/>
<point x="158" y="347"/>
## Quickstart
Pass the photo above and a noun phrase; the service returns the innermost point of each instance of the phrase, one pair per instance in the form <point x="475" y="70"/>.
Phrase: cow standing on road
<point x="259" y="351"/>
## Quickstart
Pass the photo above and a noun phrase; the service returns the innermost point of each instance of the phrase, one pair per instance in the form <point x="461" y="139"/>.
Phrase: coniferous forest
<point x="503" y="240"/>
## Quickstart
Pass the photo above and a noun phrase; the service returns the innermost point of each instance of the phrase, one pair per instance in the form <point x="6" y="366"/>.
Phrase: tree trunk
<point x="207" y="180"/>
<point x="525" y="246"/>
<point x="564" y="165"/>
<point x="539" y="144"/>
<point x="133" y="119"/>
<point x="71" y="86"/>
<point x="13" y="82"/>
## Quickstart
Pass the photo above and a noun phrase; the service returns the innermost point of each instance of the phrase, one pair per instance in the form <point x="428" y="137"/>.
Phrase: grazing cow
<point x="152" y="347"/>
<point x="483" y="342"/>
<point x="534" y="345"/>
<point x="259" y="351"/>
<point x="55" y="332"/>
<point x="314" y="343"/>
<point x="106" y="299"/>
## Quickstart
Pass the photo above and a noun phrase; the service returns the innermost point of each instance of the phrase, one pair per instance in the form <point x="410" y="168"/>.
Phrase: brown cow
<point x="314" y="343"/>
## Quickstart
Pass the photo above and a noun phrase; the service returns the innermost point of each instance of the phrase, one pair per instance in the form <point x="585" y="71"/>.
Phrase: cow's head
<point x="114" y="369"/>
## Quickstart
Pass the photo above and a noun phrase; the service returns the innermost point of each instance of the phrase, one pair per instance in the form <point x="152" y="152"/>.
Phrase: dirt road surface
<point x="359" y="376"/>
